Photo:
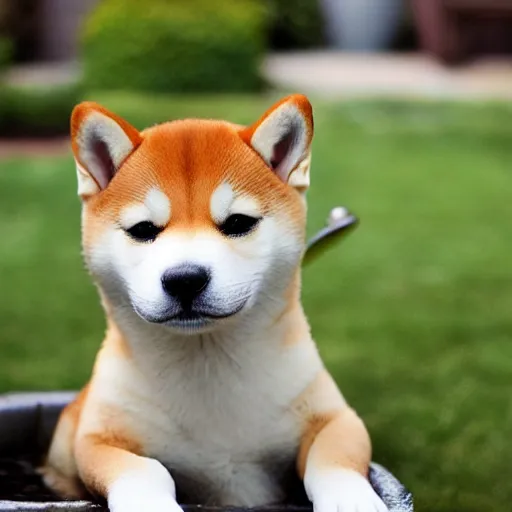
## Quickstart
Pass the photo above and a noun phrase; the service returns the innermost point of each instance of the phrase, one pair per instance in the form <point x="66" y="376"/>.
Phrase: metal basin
<point x="27" y="421"/>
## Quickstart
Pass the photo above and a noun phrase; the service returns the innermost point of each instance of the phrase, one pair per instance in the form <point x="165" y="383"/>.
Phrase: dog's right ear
<point x="101" y="142"/>
<point x="282" y="137"/>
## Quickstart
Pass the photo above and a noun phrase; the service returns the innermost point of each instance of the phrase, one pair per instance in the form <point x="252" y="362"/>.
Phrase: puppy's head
<point x="193" y="222"/>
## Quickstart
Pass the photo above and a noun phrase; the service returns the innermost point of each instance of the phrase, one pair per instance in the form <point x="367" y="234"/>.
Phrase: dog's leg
<point x="129" y="482"/>
<point x="335" y="453"/>
<point x="59" y="471"/>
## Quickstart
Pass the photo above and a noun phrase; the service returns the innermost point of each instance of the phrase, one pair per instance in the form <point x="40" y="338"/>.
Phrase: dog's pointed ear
<point x="282" y="137"/>
<point x="101" y="142"/>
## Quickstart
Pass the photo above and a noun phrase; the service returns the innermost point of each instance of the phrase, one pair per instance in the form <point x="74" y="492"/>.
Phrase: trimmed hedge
<point x="5" y="52"/>
<point x="175" y="45"/>
<point x="296" y="24"/>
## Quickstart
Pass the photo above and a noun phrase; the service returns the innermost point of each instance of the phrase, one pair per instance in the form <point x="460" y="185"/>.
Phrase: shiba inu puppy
<point x="208" y="386"/>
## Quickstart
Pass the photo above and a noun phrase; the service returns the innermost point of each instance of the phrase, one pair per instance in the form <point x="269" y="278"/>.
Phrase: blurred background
<point x="413" y="124"/>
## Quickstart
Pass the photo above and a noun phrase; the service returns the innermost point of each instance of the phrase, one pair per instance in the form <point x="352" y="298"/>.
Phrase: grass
<point x="412" y="312"/>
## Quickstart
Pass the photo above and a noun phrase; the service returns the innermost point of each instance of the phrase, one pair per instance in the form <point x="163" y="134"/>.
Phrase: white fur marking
<point x="333" y="490"/>
<point x="220" y="202"/>
<point x="151" y="488"/>
<point x="133" y="214"/>
<point x="299" y="178"/>
<point x="159" y="206"/>
<point x="156" y="209"/>
<point x="86" y="185"/>
<point x="246" y="205"/>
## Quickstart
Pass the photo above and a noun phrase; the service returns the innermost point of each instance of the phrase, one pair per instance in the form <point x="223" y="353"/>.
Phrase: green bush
<point x="37" y="111"/>
<point x="175" y="45"/>
<point x="5" y="52"/>
<point x="295" y="24"/>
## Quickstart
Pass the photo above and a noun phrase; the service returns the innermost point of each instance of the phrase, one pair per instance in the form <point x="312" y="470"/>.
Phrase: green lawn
<point x="413" y="312"/>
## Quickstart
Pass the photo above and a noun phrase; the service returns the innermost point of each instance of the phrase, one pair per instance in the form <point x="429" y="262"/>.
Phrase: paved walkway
<point x="40" y="147"/>
<point x="43" y="74"/>
<point x="343" y="75"/>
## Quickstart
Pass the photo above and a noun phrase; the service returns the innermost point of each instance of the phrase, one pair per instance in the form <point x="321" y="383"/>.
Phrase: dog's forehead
<point x="192" y="168"/>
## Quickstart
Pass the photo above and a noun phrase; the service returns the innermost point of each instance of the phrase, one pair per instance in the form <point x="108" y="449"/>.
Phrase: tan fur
<point x="340" y="440"/>
<point x="60" y="471"/>
<point x="114" y="344"/>
<point x="104" y="457"/>
<point x="150" y="397"/>
<point x="330" y="424"/>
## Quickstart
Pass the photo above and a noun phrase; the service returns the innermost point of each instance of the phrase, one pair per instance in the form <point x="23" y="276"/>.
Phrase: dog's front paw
<point x="147" y="503"/>
<point x="344" y="491"/>
<point x="150" y="489"/>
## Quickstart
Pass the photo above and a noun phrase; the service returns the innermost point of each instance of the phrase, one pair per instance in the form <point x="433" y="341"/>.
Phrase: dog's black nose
<point x="186" y="282"/>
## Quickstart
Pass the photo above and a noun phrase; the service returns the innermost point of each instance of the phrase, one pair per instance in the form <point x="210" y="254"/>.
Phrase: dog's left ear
<point x="282" y="137"/>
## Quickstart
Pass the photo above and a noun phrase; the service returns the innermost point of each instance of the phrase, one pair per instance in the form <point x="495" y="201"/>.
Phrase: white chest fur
<point x="218" y="412"/>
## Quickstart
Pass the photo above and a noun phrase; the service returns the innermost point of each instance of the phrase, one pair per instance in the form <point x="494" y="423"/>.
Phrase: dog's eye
<point x="144" y="231"/>
<point x="238" y="225"/>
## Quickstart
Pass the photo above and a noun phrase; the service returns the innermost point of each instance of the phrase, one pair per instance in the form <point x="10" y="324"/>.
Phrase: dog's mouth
<point x="195" y="319"/>
<point x="188" y="320"/>
<point x="192" y="319"/>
